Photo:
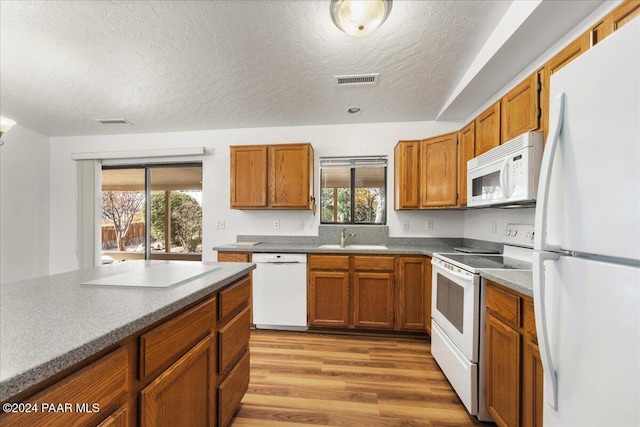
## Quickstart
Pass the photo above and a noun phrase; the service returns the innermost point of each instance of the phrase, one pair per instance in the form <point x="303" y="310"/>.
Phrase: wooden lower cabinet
<point x="184" y="394"/>
<point x="373" y="302"/>
<point x="373" y="292"/>
<point x="103" y="383"/>
<point x="189" y="369"/>
<point x="328" y="300"/>
<point x="502" y="386"/>
<point x="514" y="378"/>
<point x="413" y="283"/>
<point x="232" y="389"/>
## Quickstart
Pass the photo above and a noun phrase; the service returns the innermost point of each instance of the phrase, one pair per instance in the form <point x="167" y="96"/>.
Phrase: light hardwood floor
<point x="309" y="379"/>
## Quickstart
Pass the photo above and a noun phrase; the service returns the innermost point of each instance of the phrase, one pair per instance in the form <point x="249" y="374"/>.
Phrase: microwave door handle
<point x="504" y="179"/>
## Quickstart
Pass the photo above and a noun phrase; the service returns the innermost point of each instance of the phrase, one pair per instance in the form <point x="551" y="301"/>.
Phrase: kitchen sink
<point x="355" y="247"/>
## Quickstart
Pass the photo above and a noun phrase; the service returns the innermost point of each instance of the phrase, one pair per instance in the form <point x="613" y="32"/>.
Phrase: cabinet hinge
<point x="539" y="86"/>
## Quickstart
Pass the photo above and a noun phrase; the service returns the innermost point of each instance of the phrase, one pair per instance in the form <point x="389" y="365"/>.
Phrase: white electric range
<point x="457" y="340"/>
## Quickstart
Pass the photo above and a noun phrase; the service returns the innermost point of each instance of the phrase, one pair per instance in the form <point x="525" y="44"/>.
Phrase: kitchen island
<point x="55" y="332"/>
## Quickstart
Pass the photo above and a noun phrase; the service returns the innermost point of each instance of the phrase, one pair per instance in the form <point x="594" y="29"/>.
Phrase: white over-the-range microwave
<point x="507" y="174"/>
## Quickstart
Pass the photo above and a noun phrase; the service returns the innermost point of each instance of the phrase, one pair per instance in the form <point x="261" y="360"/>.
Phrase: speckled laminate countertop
<point x="307" y="248"/>
<point x="517" y="280"/>
<point x="50" y="323"/>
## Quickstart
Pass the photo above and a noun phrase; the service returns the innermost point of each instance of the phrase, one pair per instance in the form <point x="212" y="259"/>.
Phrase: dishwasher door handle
<point x="280" y="262"/>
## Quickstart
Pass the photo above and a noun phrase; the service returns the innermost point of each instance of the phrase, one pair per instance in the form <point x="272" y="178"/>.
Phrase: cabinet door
<point x="502" y="385"/>
<point x="439" y="173"/>
<point x="249" y="176"/>
<point x="407" y="175"/>
<point x="329" y="298"/>
<point x="411" y="285"/>
<point x="289" y="176"/>
<point x="618" y="17"/>
<point x="183" y="395"/>
<point x="488" y="129"/>
<point x="466" y="150"/>
<point x="428" y="286"/>
<point x="373" y="300"/>
<point x="520" y="108"/>
<point x="562" y="58"/>
<point x="532" y="386"/>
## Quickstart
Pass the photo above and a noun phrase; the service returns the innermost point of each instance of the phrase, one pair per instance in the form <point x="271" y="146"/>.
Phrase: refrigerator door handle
<point x="555" y="126"/>
<point x="539" y="305"/>
<point x="504" y="179"/>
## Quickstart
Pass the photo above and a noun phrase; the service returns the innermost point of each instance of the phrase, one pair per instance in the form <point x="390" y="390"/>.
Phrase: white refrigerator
<point x="586" y="269"/>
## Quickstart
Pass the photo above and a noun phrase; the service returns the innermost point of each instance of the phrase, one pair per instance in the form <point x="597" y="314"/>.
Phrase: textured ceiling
<point x="193" y="65"/>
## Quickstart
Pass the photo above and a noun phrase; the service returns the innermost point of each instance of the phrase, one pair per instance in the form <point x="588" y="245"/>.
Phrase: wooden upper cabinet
<point x="521" y="108"/>
<point x="249" y="176"/>
<point x="466" y="150"/>
<point x="625" y="12"/>
<point x="562" y="58"/>
<point x="439" y="171"/>
<point x="488" y="129"/>
<point x="272" y="176"/>
<point x="290" y="176"/>
<point x="407" y="175"/>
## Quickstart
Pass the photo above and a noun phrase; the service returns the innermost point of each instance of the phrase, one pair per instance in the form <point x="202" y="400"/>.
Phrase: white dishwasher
<point x="280" y="291"/>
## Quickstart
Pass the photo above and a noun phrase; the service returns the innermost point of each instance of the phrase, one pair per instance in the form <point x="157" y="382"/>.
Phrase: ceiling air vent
<point x="114" y="122"/>
<point x="357" y="80"/>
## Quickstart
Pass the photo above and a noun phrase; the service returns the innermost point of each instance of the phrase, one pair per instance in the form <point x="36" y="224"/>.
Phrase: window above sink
<point x="353" y="190"/>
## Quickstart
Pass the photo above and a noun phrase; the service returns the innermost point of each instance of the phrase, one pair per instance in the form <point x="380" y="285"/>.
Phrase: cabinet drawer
<point x="234" y="298"/>
<point x="329" y="262"/>
<point x="234" y="257"/>
<point x="166" y="343"/>
<point x="232" y="389"/>
<point x="233" y="340"/>
<point x="529" y="321"/>
<point x="120" y="418"/>
<point x="376" y="263"/>
<point x="503" y="305"/>
<point x="104" y="383"/>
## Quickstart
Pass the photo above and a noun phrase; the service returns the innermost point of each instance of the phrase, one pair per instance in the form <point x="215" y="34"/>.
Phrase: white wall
<point x="24" y="205"/>
<point x="330" y="140"/>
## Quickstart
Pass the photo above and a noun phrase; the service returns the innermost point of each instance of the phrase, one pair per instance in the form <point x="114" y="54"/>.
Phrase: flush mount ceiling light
<point x="5" y="125"/>
<point x="359" y="17"/>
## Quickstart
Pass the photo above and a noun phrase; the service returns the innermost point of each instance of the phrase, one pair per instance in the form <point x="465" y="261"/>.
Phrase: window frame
<point x="354" y="163"/>
<point x="147" y="168"/>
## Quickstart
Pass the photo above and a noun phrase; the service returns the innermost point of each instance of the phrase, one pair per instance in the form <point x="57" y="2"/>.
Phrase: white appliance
<point x="457" y="311"/>
<point x="587" y="240"/>
<point x="507" y="174"/>
<point x="280" y="291"/>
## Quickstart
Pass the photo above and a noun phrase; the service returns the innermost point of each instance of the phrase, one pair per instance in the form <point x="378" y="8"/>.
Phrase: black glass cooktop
<point x="473" y="262"/>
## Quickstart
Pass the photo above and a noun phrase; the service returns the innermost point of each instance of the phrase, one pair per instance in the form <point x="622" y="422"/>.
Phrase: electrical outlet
<point x="405" y="224"/>
<point x="276" y="223"/>
<point x="494" y="226"/>
<point x="300" y="224"/>
<point x="220" y="224"/>
<point x="429" y="225"/>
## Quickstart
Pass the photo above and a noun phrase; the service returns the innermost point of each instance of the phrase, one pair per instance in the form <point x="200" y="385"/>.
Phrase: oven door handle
<point x="447" y="272"/>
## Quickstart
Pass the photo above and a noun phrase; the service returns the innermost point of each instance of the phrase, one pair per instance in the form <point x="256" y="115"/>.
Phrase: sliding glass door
<point x="152" y="212"/>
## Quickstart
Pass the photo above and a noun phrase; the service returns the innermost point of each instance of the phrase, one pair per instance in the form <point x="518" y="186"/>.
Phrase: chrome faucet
<point x="344" y="236"/>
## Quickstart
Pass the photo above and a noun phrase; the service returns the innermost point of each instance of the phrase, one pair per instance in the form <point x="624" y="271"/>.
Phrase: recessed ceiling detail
<point x="357" y="80"/>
